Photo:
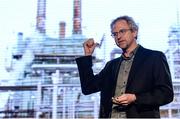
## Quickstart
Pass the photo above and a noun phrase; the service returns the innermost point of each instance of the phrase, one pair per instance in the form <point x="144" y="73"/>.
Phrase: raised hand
<point x="89" y="46"/>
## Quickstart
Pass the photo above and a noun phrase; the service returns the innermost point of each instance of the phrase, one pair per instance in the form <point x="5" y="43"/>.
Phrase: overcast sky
<point x="153" y="16"/>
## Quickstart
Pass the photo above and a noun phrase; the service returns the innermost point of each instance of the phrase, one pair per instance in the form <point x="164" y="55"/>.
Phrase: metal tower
<point x="41" y="16"/>
<point x="77" y="17"/>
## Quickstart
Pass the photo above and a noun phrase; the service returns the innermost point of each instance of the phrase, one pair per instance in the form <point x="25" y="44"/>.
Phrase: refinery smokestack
<point x="77" y="17"/>
<point x="41" y="16"/>
<point x="62" y="29"/>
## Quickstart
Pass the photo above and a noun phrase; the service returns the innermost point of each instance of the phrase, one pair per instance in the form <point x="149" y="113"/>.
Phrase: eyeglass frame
<point x="121" y="32"/>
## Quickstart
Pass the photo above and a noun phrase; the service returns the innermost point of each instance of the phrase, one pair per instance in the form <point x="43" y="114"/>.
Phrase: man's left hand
<point x="124" y="99"/>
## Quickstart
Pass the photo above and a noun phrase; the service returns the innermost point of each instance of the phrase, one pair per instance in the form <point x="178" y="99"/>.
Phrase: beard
<point x="122" y="45"/>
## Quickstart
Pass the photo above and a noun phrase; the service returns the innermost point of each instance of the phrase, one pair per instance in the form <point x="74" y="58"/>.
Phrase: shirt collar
<point x="131" y="54"/>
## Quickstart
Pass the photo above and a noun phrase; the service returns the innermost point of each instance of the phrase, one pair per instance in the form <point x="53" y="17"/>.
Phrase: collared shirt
<point x="122" y="81"/>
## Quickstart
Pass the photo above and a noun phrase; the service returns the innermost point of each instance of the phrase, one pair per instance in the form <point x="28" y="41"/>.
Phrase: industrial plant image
<point x="45" y="76"/>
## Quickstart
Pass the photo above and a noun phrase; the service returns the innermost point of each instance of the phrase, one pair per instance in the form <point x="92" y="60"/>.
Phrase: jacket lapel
<point x="138" y="59"/>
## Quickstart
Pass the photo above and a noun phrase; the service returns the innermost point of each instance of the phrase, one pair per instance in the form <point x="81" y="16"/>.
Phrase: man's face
<point x="124" y="36"/>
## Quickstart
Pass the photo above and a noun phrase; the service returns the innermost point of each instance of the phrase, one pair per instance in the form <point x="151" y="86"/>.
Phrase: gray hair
<point x="130" y="21"/>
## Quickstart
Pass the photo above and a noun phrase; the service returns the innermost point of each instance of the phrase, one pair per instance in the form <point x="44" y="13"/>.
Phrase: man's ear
<point x="135" y="33"/>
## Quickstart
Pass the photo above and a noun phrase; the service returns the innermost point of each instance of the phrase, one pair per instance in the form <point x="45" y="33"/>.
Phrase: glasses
<point x="121" y="32"/>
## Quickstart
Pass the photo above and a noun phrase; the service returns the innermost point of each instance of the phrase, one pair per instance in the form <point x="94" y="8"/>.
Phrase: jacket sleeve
<point x="162" y="91"/>
<point x="90" y="82"/>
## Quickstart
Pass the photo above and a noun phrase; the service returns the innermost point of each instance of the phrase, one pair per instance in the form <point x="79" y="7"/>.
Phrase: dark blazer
<point x="149" y="79"/>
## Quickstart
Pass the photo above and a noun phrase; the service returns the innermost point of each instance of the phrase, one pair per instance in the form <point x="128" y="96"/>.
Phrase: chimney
<point x="77" y="17"/>
<point x="20" y="36"/>
<point x="41" y="16"/>
<point x="62" y="29"/>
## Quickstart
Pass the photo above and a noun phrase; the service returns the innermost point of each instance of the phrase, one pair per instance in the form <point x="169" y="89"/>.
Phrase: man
<point x="134" y="85"/>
